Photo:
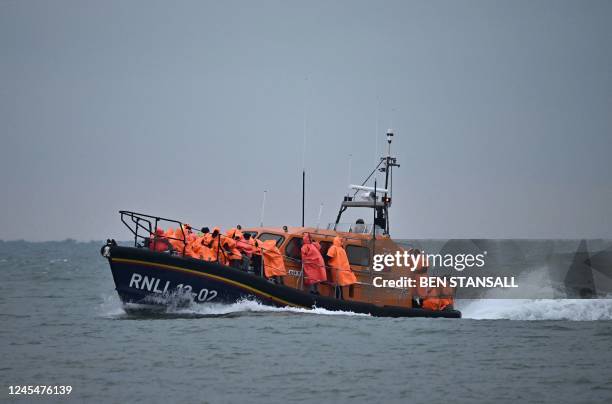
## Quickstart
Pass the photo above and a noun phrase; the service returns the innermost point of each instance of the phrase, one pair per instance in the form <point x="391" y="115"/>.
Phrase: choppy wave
<point x="538" y="309"/>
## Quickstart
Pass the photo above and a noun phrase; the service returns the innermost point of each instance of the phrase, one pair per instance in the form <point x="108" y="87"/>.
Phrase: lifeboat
<point x="149" y="276"/>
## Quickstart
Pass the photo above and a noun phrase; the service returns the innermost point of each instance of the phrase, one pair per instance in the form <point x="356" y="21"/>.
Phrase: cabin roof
<point x="298" y="231"/>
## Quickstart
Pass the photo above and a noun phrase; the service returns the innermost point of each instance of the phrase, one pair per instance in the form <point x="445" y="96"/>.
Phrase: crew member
<point x="341" y="272"/>
<point x="159" y="242"/>
<point x="214" y="244"/>
<point x="256" y="259"/>
<point x="246" y="249"/>
<point x="205" y="242"/>
<point x="313" y="264"/>
<point x="359" y="226"/>
<point x="228" y="242"/>
<point x="170" y="235"/>
<point x="274" y="264"/>
<point x="438" y="298"/>
<point x="187" y="238"/>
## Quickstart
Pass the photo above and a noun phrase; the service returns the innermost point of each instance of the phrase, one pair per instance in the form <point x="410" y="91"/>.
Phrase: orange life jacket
<point x="312" y="261"/>
<point x="274" y="264"/>
<point x="435" y="301"/>
<point x="229" y="244"/>
<point x="341" y="272"/>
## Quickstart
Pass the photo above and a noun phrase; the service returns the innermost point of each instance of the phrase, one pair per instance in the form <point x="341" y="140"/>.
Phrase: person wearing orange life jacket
<point x="205" y="245"/>
<point x="158" y="241"/>
<point x="313" y="264"/>
<point x="215" y="246"/>
<point x="273" y="262"/>
<point x="228" y="242"/>
<point x="447" y="297"/>
<point x="194" y="248"/>
<point x="341" y="272"/>
<point x="170" y="235"/>
<point x="245" y="246"/>
<point x="438" y="299"/>
<point x="247" y="249"/>
<point x="256" y="259"/>
<point x="433" y="301"/>
<point x="178" y="238"/>
<point x="198" y="247"/>
<point x="187" y="238"/>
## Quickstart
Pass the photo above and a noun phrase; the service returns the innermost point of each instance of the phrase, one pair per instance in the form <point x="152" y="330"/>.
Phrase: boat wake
<point x="511" y="305"/>
<point x="538" y="309"/>
<point x="113" y="308"/>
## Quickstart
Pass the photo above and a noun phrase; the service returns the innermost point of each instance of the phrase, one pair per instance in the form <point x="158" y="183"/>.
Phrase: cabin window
<point x="252" y="233"/>
<point x="293" y="249"/>
<point x="271" y="236"/>
<point x="325" y="247"/>
<point x="358" y="255"/>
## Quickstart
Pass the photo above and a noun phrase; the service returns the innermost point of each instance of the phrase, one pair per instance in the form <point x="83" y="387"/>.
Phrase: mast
<point x="389" y="163"/>
<point x="380" y="206"/>
<point x="263" y="208"/>
<point x="303" y="194"/>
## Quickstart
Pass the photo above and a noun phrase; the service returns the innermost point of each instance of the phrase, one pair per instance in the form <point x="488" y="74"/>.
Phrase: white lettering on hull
<point x="152" y="284"/>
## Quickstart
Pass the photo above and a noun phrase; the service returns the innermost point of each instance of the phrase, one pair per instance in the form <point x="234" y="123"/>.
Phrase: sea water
<point x="62" y="324"/>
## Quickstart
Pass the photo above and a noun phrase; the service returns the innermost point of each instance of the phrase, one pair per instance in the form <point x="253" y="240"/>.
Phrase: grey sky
<point x="189" y="109"/>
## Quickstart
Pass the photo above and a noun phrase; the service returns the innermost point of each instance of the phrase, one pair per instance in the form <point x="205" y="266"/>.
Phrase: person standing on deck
<point x="215" y="246"/>
<point x="256" y="259"/>
<point x="313" y="264"/>
<point x="274" y="264"/>
<point x="159" y="242"/>
<point x="205" y="242"/>
<point x="229" y="244"/>
<point x="247" y="249"/>
<point x="341" y="272"/>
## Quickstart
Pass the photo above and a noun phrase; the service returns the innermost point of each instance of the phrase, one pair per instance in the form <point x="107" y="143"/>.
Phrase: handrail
<point x="137" y="218"/>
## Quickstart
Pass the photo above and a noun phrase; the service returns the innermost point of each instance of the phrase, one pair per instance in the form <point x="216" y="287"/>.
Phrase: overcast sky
<point x="190" y="109"/>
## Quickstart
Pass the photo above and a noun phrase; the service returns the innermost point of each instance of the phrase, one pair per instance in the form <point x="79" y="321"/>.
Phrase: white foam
<point x="535" y="283"/>
<point x="113" y="307"/>
<point x="537" y="309"/>
<point x="254" y="306"/>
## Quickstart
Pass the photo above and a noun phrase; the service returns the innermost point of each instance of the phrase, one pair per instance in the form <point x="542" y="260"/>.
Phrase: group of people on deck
<point x="314" y="265"/>
<point x="244" y="252"/>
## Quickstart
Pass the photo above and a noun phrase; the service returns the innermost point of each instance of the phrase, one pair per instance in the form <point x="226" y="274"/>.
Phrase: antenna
<point x="349" y="167"/>
<point x="304" y="123"/>
<point x="376" y="133"/>
<point x="263" y="207"/>
<point x="304" y="154"/>
<point x="374" y="222"/>
<point x="319" y="218"/>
